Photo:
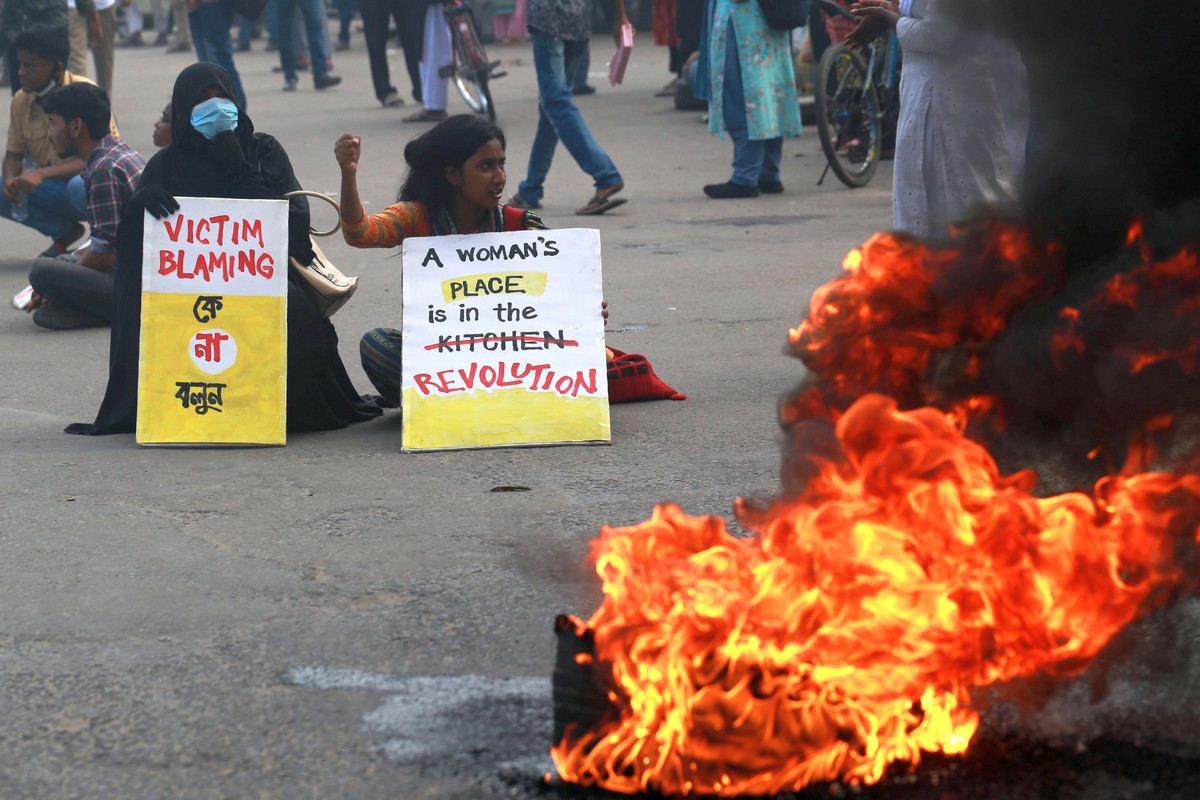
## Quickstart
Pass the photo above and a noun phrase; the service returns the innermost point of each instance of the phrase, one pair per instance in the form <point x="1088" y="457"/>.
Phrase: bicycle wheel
<point x="475" y="92"/>
<point x="471" y="70"/>
<point x="847" y="116"/>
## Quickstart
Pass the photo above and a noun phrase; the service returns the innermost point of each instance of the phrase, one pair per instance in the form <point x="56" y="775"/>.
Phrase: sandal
<point x="516" y="201"/>
<point x="425" y="116"/>
<point x="602" y="202"/>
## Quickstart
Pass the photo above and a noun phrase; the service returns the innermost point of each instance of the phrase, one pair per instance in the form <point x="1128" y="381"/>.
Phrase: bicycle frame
<point x="461" y="19"/>
<point x="469" y="69"/>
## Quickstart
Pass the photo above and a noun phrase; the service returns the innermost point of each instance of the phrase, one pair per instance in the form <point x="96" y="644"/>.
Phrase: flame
<point x="904" y="571"/>
<point x="901" y="300"/>
<point x="848" y="632"/>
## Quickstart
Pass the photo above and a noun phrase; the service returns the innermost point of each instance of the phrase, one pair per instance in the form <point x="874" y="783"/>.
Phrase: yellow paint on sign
<point x="178" y="403"/>
<point x="504" y="417"/>
<point x="487" y="284"/>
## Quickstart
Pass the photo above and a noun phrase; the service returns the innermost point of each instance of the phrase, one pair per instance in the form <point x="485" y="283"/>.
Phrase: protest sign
<point x="503" y="341"/>
<point x="213" y="359"/>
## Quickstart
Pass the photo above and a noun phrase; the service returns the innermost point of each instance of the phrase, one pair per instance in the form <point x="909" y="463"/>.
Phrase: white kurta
<point x="951" y="149"/>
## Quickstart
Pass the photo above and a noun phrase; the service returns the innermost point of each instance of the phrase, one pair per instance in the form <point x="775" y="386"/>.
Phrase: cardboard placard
<point x="213" y="354"/>
<point x="503" y="340"/>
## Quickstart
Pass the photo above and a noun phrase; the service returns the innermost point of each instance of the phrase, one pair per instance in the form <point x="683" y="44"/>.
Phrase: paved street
<point x="336" y="618"/>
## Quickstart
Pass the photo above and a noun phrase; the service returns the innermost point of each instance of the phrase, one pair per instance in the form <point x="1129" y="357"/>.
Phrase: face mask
<point x="213" y="116"/>
<point x="47" y="89"/>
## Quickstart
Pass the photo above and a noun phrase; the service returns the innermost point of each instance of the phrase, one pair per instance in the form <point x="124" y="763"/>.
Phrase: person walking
<point x="435" y="53"/>
<point x="209" y="22"/>
<point x="509" y="21"/>
<point x="747" y="76"/>
<point x="183" y="31"/>
<point x="560" y="30"/>
<point x="95" y="30"/>
<point x="312" y="13"/>
<point x="409" y="16"/>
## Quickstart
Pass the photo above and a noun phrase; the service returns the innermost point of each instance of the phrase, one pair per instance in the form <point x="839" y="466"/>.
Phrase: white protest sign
<point x="503" y="340"/>
<point x="213" y="350"/>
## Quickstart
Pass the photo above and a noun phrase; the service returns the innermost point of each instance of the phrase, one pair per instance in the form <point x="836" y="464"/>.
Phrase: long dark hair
<point x="448" y="144"/>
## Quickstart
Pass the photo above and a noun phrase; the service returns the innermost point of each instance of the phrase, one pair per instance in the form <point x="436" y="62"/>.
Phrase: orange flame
<point x="900" y="300"/>
<point x="904" y="570"/>
<point x="847" y="633"/>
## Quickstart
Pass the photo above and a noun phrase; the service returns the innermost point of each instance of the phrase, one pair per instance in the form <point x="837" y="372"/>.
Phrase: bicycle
<point x="857" y="104"/>
<point x="470" y="69"/>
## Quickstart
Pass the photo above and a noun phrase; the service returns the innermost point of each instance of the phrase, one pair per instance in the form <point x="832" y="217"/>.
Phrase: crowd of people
<point x="65" y="162"/>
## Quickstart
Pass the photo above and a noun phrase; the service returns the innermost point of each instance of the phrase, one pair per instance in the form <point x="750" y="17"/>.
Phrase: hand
<point x="227" y="153"/>
<point x="604" y="310"/>
<point x="95" y="32"/>
<point x="347" y="150"/>
<point x="619" y="22"/>
<point x="35" y="301"/>
<point x="873" y="23"/>
<point x="28" y="181"/>
<point x="155" y="199"/>
<point x="887" y="5"/>
<point x="11" y="193"/>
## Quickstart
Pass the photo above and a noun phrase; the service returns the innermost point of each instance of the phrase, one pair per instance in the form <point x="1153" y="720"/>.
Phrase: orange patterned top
<point x="407" y="218"/>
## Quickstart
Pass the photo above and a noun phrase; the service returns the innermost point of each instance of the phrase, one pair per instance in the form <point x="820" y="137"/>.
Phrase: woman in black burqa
<point x="236" y="164"/>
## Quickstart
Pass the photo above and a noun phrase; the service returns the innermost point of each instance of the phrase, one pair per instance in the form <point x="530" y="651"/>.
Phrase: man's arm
<point x="107" y="193"/>
<point x="28" y="181"/>
<point x="94" y="260"/>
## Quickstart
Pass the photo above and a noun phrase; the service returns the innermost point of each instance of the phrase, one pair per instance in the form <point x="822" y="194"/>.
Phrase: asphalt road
<point x="336" y="618"/>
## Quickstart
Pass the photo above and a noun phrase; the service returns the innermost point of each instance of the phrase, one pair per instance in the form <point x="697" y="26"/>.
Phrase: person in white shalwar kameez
<point x="951" y="148"/>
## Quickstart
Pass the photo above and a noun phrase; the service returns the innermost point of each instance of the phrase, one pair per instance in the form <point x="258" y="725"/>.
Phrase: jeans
<point x="558" y="118"/>
<point x="579" y="78"/>
<point x="210" y="25"/>
<point x="753" y="160"/>
<point x="87" y="292"/>
<point x="54" y="207"/>
<point x="345" y="9"/>
<point x="245" y="31"/>
<point x="271" y="22"/>
<point x="313" y="14"/>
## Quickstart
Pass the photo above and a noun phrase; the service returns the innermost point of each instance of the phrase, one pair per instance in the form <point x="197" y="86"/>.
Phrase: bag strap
<point x="336" y="209"/>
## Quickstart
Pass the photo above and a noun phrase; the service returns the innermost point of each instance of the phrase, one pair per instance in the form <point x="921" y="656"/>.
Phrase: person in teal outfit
<point x="746" y="74"/>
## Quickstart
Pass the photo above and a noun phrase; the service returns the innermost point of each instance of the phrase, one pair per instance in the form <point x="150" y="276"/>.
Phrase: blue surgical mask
<point x="215" y="115"/>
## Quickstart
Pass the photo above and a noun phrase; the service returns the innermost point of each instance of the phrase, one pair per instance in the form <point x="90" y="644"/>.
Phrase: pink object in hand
<point x="616" y="67"/>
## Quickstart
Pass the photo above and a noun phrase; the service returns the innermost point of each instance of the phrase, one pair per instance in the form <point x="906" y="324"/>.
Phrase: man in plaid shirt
<point x="75" y="290"/>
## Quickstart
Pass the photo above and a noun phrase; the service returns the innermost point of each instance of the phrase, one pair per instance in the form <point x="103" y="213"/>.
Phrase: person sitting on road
<point x="456" y="177"/>
<point x="162" y="128"/>
<point x="75" y="290"/>
<point x="215" y="152"/>
<point x="44" y="187"/>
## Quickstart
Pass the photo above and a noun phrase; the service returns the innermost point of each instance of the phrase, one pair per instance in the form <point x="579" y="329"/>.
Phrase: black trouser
<point x="689" y="18"/>
<point x="410" y="23"/>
